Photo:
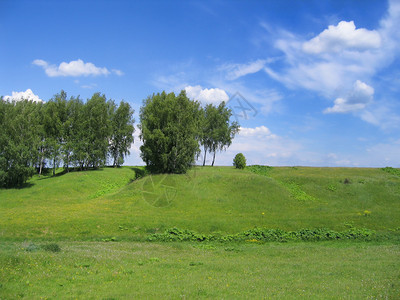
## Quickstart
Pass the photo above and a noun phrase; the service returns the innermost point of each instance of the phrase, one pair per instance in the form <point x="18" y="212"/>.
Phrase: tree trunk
<point x="41" y="162"/>
<point x="54" y="166"/>
<point x="205" y="153"/>
<point x="67" y="162"/>
<point x="213" y="159"/>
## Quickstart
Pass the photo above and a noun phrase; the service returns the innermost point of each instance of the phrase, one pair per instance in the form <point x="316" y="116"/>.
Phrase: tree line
<point x="82" y="135"/>
<point x="78" y="134"/>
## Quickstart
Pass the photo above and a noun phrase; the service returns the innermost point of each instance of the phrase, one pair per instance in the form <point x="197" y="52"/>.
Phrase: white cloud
<point x="357" y="99"/>
<point x="74" y="68"/>
<point x="19" y="96"/>
<point x="332" y="61"/>
<point x="235" y="71"/>
<point x="214" y="95"/>
<point x="257" y="131"/>
<point x="343" y="37"/>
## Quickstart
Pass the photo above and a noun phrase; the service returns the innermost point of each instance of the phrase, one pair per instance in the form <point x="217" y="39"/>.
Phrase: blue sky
<point x="320" y="80"/>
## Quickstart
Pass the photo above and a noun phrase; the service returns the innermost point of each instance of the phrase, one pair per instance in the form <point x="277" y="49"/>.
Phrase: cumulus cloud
<point x="357" y="99"/>
<point x="235" y="71"/>
<point x="74" y="68"/>
<point x="20" y="96"/>
<point x="214" y="95"/>
<point x="257" y="131"/>
<point x="340" y="59"/>
<point x="343" y="37"/>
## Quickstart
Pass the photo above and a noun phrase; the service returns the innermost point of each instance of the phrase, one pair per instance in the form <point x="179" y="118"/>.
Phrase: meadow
<point x="87" y="234"/>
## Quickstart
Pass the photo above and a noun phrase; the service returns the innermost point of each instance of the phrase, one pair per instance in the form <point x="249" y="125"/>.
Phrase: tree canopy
<point x="217" y="131"/>
<point x="77" y="134"/>
<point x="61" y="131"/>
<point x="169" y="130"/>
<point x="173" y="128"/>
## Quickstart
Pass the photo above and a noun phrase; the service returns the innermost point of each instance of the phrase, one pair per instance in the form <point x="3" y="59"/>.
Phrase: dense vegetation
<point x="173" y="127"/>
<point x="68" y="131"/>
<point x="239" y="162"/>
<point x="86" y="135"/>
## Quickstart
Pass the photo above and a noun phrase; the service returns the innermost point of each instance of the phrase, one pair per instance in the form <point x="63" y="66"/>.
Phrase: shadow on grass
<point x="48" y="173"/>
<point x="140" y="172"/>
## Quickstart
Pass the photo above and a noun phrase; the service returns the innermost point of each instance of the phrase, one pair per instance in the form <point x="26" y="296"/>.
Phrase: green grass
<point x="81" y="234"/>
<point x="106" y="203"/>
<point x="128" y="270"/>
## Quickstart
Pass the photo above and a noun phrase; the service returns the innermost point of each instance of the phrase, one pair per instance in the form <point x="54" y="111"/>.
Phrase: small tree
<point x="217" y="130"/>
<point x="239" y="161"/>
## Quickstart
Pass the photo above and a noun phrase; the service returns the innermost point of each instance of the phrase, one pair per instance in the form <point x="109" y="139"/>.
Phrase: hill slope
<point x="108" y="203"/>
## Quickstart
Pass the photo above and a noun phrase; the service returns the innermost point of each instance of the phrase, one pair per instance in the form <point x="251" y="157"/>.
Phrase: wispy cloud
<point x="340" y="62"/>
<point x="235" y="71"/>
<point x="74" y="68"/>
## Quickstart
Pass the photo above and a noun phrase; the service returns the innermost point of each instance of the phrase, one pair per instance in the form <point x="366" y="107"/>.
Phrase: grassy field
<point x="101" y="219"/>
<point x="128" y="270"/>
<point x="106" y="203"/>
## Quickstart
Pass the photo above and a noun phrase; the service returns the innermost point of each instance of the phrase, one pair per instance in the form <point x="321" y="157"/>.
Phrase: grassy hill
<point x="110" y="203"/>
<point x="55" y="234"/>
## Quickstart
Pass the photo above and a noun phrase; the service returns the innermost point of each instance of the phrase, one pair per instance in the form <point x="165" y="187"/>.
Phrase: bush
<point x="53" y="247"/>
<point x="239" y="161"/>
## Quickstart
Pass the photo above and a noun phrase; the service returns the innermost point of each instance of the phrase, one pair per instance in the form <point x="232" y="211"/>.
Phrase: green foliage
<point x="61" y="131"/>
<point x="239" y="161"/>
<point x="52" y="247"/>
<point x="217" y="132"/>
<point x="169" y="130"/>
<point x="260" y="170"/>
<point x="17" y="143"/>
<point x="122" y="132"/>
<point x="265" y="235"/>
<point x="392" y="171"/>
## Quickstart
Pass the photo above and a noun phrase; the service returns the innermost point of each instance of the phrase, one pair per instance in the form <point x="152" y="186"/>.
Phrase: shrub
<point x="239" y="161"/>
<point x="53" y="247"/>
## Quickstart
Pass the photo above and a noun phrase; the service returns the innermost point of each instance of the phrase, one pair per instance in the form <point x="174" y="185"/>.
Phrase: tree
<point x="61" y="131"/>
<point x="77" y="137"/>
<point x="169" y="130"/>
<point x="217" y="129"/>
<point x="239" y="161"/>
<point x="17" y="147"/>
<point x="122" y="132"/>
<point x="54" y="118"/>
<point x="97" y="130"/>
